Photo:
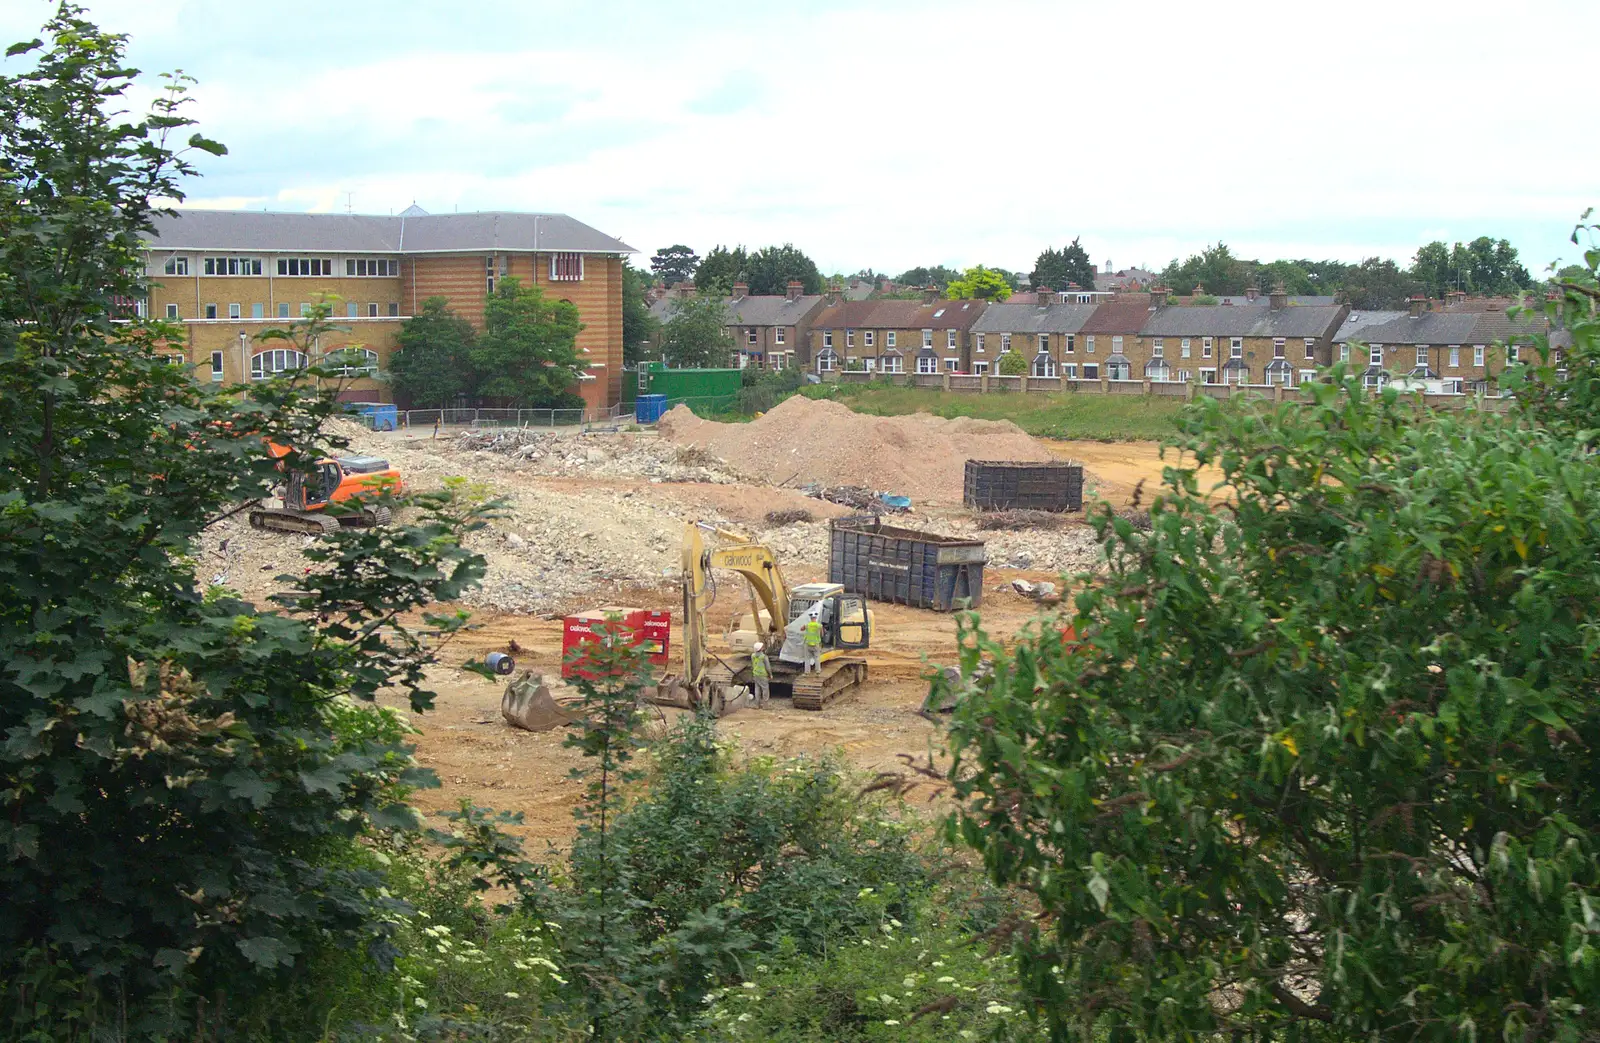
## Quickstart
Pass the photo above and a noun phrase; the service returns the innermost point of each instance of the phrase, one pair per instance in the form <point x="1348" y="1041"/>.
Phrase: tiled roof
<point x="900" y="315"/>
<point x="1030" y="318"/>
<point x="369" y="233"/>
<point x="770" y="310"/>
<point x="1118" y="317"/>
<point x="1431" y="327"/>
<point x="1222" y="320"/>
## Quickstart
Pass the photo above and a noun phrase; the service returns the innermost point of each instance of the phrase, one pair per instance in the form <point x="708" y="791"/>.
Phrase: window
<point x="925" y="364"/>
<point x="1183" y="348"/>
<point x="566" y="267"/>
<point x="1070" y="371"/>
<point x="258" y="311"/>
<point x="777" y="337"/>
<point x="1119" y="369"/>
<point x="980" y="368"/>
<point x="1158" y="371"/>
<point x="1236" y="348"/>
<point x="1205" y="347"/>
<point x="1477" y="354"/>
<point x="233" y="266"/>
<point x="1005" y="343"/>
<point x="283" y="311"/>
<point x="1344" y="353"/>
<point x="869" y="337"/>
<point x="1044" y="344"/>
<point x="977" y="342"/>
<point x="304" y="266"/>
<point x="888" y="339"/>
<point x="394" y="311"/>
<point x="278" y="360"/>
<point x="1044" y="365"/>
<point x="1422" y="354"/>
<point x="1307" y="376"/>
<point x="233" y="311"/>
<point x="1091" y="371"/>
<point x="488" y="272"/>
<point x="779" y="358"/>
<point x="1279" y="350"/>
<point x="1208" y="376"/>
<point x="211" y="311"/>
<point x="216" y="365"/>
<point x="950" y="339"/>
<point x="952" y="365"/>
<point x="172" y="311"/>
<point x="305" y="309"/>
<point x="1375" y="355"/>
<point x="351" y="309"/>
<point x="750" y="335"/>
<point x="1184" y="376"/>
<point x="1311" y="347"/>
<point x="1089" y="348"/>
<point x="176" y="266"/>
<point x="827" y="338"/>
<point x="353" y="362"/>
<point x="1071" y="345"/>
<point x="1513" y="353"/>
<point x="363" y="267"/>
<point x="849" y="338"/>
<point x="1158" y="348"/>
<point x="927" y="338"/>
<point x="825" y="362"/>
<point x="1455" y="356"/>
<point x="1116" y="345"/>
<point x="173" y="360"/>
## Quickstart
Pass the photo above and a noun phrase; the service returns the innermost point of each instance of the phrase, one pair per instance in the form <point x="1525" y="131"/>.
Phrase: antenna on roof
<point x="349" y="201"/>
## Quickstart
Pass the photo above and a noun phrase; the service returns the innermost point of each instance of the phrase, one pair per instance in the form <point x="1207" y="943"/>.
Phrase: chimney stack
<point x="1158" y="297"/>
<point x="1455" y="298"/>
<point x="741" y="290"/>
<point x="683" y="289"/>
<point x="930" y="294"/>
<point x="1417" y="305"/>
<point x="1279" y="297"/>
<point x="1199" y="290"/>
<point x="1253" y="292"/>
<point x="795" y="289"/>
<point x="1046" y="297"/>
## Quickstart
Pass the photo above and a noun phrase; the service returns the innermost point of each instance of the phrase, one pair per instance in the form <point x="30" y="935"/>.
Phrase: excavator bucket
<point x="528" y="704"/>
<point x="719" y="697"/>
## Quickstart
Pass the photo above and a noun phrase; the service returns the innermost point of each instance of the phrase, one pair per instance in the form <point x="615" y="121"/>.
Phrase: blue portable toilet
<point x="648" y="408"/>
<point x="380" y="416"/>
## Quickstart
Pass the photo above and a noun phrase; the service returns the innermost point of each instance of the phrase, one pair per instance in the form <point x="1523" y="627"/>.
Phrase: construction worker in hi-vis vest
<point x="761" y="673"/>
<point x="813" y="632"/>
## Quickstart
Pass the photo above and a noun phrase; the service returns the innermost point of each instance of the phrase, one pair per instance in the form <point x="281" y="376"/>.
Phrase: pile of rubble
<point x="609" y="456"/>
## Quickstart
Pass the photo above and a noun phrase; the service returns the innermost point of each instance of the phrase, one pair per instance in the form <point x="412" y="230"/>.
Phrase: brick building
<point x="1046" y="331"/>
<point x="1278" y="343"/>
<point x="895" y="336"/>
<point x="1460" y="348"/>
<point x="229" y="275"/>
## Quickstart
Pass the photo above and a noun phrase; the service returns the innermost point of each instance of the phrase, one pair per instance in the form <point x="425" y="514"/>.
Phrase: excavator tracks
<point x="815" y="691"/>
<point x="282" y="519"/>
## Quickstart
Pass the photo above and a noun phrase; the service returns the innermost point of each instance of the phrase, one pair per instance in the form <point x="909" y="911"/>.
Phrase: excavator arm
<point x="752" y="561"/>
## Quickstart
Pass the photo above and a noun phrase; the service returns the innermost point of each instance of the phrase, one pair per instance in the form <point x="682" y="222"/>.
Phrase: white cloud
<point x="895" y="134"/>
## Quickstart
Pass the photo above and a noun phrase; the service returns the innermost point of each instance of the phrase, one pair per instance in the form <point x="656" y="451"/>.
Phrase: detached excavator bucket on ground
<point x="528" y="704"/>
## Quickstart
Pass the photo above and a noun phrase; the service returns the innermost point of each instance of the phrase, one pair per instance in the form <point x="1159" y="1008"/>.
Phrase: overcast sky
<point x="888" y="134"/>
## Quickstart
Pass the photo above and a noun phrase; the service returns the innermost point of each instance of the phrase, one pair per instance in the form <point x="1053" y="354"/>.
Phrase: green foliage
<point x="719" y="270"/>
<point x="433" y="366"/>
<point x="1055" y="269"/>
<point x="767" y="390"/>
<point x="1293" y="276"/>
<point x="937" y="275"/>
<point x="183" y="789"/>
<point x="526" y="354"/>
<point x="769" y="270"/>
<point x="674" y="264"/>
<point x="638" y="325"/>
<point x="1378" y="283"/>
<point x="1484" y="266"/>
<point x="979" y="283"/>
<point x="1324" y="761"/>
<point x="1215" y="268"/>
<point x="1012" y="364"/>
<point x="1105" y="417"/>
<point x="696" y="335"/>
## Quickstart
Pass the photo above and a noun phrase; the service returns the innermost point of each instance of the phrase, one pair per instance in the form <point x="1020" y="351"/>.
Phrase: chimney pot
<point x="1252" y="292"/>
<point x="1199" y="290"/>
<point x="930" y="294"/>
<point x="1279" y="298"/>
<point x="795" y="289"/>
<point x="1158" y="296"/>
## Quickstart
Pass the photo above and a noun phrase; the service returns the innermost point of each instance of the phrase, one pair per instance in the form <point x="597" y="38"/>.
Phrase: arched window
<point x="278" y="360"/>
<point x="352" y="362"/>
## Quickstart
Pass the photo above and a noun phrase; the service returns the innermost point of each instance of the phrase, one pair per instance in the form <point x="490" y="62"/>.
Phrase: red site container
<point x="649" y="627"/>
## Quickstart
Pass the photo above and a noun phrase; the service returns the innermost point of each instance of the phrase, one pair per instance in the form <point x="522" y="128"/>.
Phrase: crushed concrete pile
<point x="803" y="440"/>
<point x="602" y="456"/>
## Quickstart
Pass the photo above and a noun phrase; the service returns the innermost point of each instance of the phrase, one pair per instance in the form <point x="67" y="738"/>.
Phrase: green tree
<point x="979" y="283"/>
<point x="1056" y="268"/>
<point x="674" y="264"/>
<point x="769" y="270"/>
<point x="433" y="365"/>
<point x="1215" y="268"/>
<point x="526" y="353"/>
<point x="937" y="275"/>
<point x="719" y="270"/>
<point x="1319" y="765"/>
<point x="638" y="325"/>
<point x="180" y="815"/>
<point x="1483" y="266"/>
<point x="1378" y="283"/>
<point x="696" y="335"/>
<point x="1012" y="364"/>
<point x="1291" y="275"/>
<point x="1436" y="270"/>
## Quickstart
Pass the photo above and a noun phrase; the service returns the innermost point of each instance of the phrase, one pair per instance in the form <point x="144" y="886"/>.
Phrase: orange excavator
<point x="343" y="480"/>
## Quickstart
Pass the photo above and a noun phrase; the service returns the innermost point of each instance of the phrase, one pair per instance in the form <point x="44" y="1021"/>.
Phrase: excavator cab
<point x="345" y="480"/>
<point x="846" y="623"/>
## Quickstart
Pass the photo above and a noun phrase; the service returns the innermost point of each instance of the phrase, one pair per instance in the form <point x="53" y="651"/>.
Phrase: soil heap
<point x="812" y="440"/>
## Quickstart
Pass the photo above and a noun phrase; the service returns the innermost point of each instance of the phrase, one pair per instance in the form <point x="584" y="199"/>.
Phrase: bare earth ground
<point x="584" y="531"/>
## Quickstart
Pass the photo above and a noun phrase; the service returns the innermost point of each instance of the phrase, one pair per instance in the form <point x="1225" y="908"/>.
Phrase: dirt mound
<point x="810" y="440"/>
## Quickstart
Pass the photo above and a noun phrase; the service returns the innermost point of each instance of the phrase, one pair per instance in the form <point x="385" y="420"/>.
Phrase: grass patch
<point x="1069" y="415"/>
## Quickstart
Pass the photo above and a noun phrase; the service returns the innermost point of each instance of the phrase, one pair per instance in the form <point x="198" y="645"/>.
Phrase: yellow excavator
<point x="776" y="620"/>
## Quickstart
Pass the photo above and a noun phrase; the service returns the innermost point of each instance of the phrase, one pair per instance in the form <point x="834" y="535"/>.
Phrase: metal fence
<point x="486" y="418"/>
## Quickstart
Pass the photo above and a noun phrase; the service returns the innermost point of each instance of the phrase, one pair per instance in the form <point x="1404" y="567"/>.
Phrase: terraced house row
<point x="229" y="275"/>
<point x="1268" y="339"/>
